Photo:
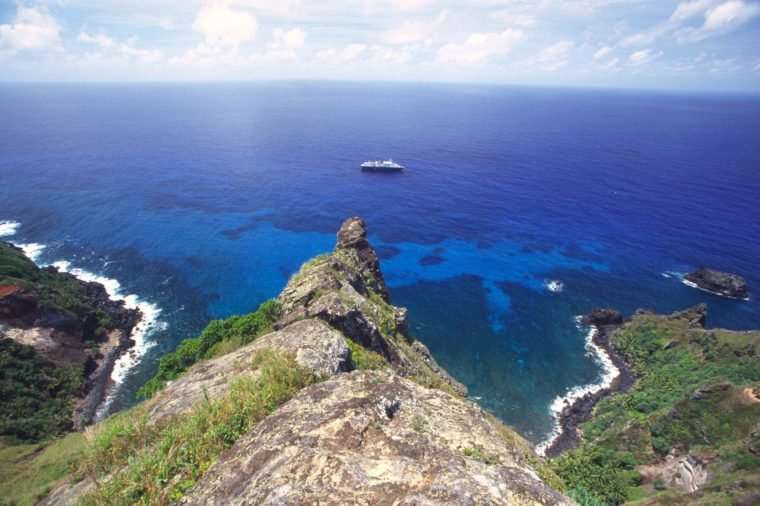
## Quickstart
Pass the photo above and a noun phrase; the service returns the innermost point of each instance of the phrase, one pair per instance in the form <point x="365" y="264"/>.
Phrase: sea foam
<point x="607" y="376"/>
<point x="148" y="324"/>
<point x="554" y="285"/>
<point x="8" y="228"/>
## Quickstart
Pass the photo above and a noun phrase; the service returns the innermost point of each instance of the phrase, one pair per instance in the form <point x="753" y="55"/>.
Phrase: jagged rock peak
<point x="352" y="242"/>
<point x="352" y="234"/>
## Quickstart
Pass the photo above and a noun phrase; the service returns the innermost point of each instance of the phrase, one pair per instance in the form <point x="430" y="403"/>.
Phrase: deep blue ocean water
<point x="204" y="198"/>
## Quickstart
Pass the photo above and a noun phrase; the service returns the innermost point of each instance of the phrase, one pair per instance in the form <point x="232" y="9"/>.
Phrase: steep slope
<point x="337" y="405"/>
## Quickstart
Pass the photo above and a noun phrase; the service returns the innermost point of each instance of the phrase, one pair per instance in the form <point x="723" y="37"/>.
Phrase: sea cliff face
<point x="339" y="405"/>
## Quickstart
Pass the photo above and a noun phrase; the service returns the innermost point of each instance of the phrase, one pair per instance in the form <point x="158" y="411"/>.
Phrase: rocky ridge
<point x="404" y="434"/>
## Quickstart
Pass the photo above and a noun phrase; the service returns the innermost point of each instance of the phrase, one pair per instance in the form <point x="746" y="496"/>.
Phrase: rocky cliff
<point x="339" y="404"/>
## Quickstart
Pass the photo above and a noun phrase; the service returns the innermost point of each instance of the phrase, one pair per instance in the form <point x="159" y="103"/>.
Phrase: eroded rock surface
<point x="314" y="345"/>
<point x="375" y="438"/>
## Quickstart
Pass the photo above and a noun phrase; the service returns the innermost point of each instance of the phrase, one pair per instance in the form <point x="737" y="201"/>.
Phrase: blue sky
<point x="693" y="44"/>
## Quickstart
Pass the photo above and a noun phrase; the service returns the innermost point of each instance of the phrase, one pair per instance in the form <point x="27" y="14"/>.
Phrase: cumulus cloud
<point x="287" y="39"/>
<point x="100" y="40"/>
<point x="223" y="26"/>
<point x="416" y="30"/>
<point x="717" y="18"/>
<point x="479" y="48"/>
<point x="32" y="29"/>
<point x="721" y="19"/>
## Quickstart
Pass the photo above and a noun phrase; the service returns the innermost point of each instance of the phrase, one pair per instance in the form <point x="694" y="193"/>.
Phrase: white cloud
<point x="719" y="18"/>
<point x="554" y="57"/>
<point x="392" y="55"/>
<point x="602" y="52"/>
<point x="411" y="31"/>
<point x="687" y="10"/>
<point x="643" y="57"/>
<point x="730" y="15"/>
<point x="101" y="40"/>
<point x="140" y="54"/>
<point x="479" y="47"/>
<point x="287" y="39"/>
<point x="340" y="56"/>
<point x="223" y="26"/>
<point x="32" y="29"/>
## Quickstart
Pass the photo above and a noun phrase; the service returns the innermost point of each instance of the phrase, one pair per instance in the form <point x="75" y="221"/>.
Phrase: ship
<point x="381" y="166"/>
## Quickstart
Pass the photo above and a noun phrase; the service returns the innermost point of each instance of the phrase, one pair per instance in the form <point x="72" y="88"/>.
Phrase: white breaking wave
<point x="8" y="228"/>
<point x="554" y="285"/>
<point x="148" y="324"/>
<point x="609" y="373"/>
<point x="672" y="274"/>
<point x="33" y="250"/>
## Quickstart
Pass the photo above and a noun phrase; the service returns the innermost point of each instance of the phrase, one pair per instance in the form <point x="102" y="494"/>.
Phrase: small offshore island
<point x="323" y="396"/>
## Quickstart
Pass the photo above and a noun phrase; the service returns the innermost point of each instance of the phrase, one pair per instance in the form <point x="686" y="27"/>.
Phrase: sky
<point x="710" y="45"/>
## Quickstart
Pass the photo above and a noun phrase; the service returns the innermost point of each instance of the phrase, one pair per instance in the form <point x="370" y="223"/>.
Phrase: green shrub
<point x="364" y="358"/>
<point x="219" y="337"/>
<point x="37" y="395"/>
<point x="598" y="474"/>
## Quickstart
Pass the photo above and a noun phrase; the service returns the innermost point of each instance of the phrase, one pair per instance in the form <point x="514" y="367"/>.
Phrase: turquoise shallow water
<point x="204" y="199"/>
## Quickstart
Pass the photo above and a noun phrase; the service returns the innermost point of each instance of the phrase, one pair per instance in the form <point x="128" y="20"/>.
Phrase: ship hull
<point x="382" y="169"/>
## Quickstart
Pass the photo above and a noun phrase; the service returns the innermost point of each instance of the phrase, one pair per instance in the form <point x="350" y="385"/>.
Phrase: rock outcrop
<point x="720" y="283"/>
<point x="602" y="317"/>
<point x="314" y="345"/>
<point x="374" y="438"/>
<point x="346" y="290"/>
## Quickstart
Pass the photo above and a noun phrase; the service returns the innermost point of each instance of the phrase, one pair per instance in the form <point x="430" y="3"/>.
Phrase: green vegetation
<point x="29" y="471"/>
<point x="139" y="463"/>
<point x="36" y="394"/>
<point x="219" y="337"/>
<point x="54" y="291"/>
<point x="310" y="264"/>
<point x="364" y="358"/>
<point x="691" y="397"/>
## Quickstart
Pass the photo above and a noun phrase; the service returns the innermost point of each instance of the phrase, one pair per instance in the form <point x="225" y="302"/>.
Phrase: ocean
<point x="521" y="209"/>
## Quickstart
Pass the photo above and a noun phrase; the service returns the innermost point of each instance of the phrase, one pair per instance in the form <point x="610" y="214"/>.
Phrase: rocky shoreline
<point x="67" y="321"/>
<point x="604" y="322"/>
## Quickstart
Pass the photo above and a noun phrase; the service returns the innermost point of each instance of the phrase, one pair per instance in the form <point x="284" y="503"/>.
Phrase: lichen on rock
<point x="373" y="437"/>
